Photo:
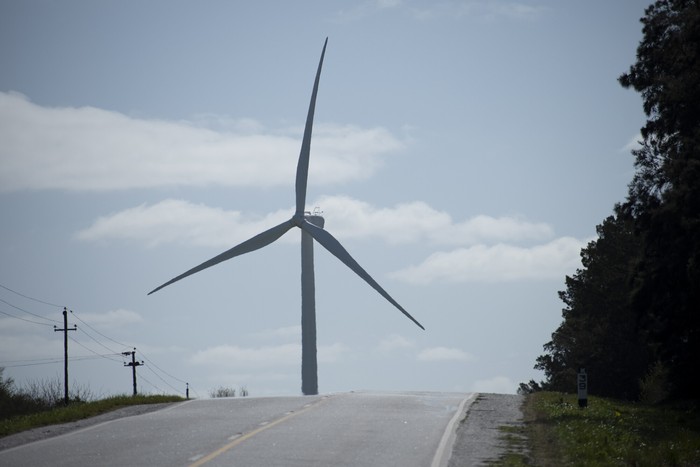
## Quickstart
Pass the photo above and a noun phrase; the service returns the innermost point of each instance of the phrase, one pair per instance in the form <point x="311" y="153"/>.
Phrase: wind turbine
<point x="311" y="226"/>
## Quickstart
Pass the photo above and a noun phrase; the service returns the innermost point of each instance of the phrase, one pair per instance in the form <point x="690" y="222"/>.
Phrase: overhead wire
<point x="96" y="341"/>
<point x="162" y="370"/>
<point x="98" y="332"/>
<point x="164" y="381"/>
<point x="48" y="361"/>
<point x="24" y="319"/>
<point x="28" y="312"/>
<point x="2" y="362"/>
<point x="76" y="316"/>
<point x="42" y="362"/>
<point x="28" y="297"/>
<point x="92" y="351"/>
<point x="153" y="385"/>
<point x="140" y="353"/>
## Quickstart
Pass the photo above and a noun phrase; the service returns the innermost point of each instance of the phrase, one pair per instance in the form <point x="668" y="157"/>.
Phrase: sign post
<point x="582" y="383"/>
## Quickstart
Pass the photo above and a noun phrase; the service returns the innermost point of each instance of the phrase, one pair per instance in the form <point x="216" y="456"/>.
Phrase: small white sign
<point x="582" y="384"/>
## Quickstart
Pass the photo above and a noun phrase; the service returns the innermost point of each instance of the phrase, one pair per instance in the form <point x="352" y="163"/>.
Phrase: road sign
<point x="582" y="384"/>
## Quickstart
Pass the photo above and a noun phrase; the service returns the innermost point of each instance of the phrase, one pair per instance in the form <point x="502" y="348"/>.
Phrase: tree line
<point x="632" y="311"/>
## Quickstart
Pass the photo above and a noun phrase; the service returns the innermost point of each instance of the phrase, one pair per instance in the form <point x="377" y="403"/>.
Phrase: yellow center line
<point x="249" y="435"/>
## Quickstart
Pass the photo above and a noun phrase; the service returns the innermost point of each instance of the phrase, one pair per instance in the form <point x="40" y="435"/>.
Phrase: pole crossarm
<point x="133" y="364"/>
<point x="65" y="351"/>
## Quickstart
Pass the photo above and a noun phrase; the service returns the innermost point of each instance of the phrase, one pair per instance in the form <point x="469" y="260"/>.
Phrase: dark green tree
<point x="632" y="315"/>
<point x="664" y="195"/>
<point x="599" y="332"/>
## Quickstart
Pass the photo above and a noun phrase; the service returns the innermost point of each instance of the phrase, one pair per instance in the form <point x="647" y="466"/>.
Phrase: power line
<point x="54" y="361"/>
<point x="98" y="332"/>
<point x="92" y="357"/>
<point x="47" y="362"/>
<point x="160" y="378"/>
<point x="152" y="385"/>
<point x="28" y="297"/>
<point x="24" y="319"/>
<point x="29" y="312"/>
<point x="98" y="342"/>
<point x="162" y="370"/>
<point x="124" y="345"/>
<point x="99" y="355"/>
<point x="2" y="362"/>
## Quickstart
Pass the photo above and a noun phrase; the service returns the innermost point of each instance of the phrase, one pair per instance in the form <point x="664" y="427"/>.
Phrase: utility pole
<point x="65" y="351"/>
<point x="133" y="364"/>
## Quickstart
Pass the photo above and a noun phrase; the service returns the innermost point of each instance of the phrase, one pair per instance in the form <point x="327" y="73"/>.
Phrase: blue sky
<point x="463" y="152"/>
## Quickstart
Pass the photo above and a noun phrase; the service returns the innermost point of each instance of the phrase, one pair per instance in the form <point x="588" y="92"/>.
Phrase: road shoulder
<point x="50" y="431"/>
<point x="479" y="436"/>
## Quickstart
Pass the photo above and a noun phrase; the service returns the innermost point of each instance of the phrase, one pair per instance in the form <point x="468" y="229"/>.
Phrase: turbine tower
<point x="311" y="226"/>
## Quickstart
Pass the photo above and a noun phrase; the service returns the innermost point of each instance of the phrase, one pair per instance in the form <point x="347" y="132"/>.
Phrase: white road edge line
<point x="444" y="450"/>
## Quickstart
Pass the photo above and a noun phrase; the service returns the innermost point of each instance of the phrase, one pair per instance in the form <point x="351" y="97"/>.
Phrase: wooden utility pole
<point x="133" y="364"/>
<point x="65" y="351"/>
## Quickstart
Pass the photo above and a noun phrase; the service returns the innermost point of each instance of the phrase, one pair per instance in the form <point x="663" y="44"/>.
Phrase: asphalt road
<point x="353" y="429"/>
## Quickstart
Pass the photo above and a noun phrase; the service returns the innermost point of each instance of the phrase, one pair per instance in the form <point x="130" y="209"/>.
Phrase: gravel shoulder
<point x="37" y="434"/>
<point x="479" y="437"/>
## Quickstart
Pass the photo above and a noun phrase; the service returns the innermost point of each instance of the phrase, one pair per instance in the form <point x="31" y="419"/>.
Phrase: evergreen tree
<point x="598" y="331"/>
<point x="664" y="196"/>
<point x="632" y="315"/>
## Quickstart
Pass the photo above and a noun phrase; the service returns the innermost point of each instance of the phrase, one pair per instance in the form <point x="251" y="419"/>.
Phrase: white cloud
<point x="177" y="221"/>
<point x="87" y="148"/>
<point x="182" y="222"/>
<point x="442" y="354"/>
<point x="497" y="385"/>
<point x="331" y="353"/>
<point x="111" y="319"/>
<point x="418" y="221"/>
<point x="28" y="346"/>
<point x="233" y="356"/>
<point x="482" y="263"/>
<point x="394" y="342"/>
<point x="481" y="9"/>
<point x="287" y="332"/>
<point x="381" y="4"/>
<point x="514" y="10"/>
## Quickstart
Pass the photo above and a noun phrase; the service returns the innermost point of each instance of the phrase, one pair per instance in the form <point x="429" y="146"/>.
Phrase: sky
<point x="463" y="152"/>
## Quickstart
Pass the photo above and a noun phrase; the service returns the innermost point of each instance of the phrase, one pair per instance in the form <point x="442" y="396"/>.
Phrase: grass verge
<point x="606" y="433"/>
<point x="77" y="411"/>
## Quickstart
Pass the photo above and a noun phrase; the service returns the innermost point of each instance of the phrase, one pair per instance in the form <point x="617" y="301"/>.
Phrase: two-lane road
<point x="353" y="429"/>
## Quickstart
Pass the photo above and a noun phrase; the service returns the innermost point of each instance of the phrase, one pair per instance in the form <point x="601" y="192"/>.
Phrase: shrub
<point x="13" y="402"/>
<point x="222" y="391"/>
<point x="654" y="387"/>
<point x="50" y="392"/>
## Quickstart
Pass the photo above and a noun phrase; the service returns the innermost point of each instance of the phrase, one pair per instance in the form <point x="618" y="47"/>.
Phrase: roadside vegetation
<point x="41" y="403"/>
<point x="608" y="432"/>
<point x="630" y="316"/>
<point x="225" y="391"/>
<point x="631" y="310"/>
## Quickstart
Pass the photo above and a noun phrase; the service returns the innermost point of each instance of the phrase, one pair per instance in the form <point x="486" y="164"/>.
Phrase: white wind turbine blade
<point x="252" y="244"/>
<point x="303" y="164"/>
<point x="331" y="244"/>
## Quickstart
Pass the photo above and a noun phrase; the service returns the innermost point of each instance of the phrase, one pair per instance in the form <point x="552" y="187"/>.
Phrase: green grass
<point x="77" y="411"/>
<point x="515" y="439"/>
<point x="606" y="433"/>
